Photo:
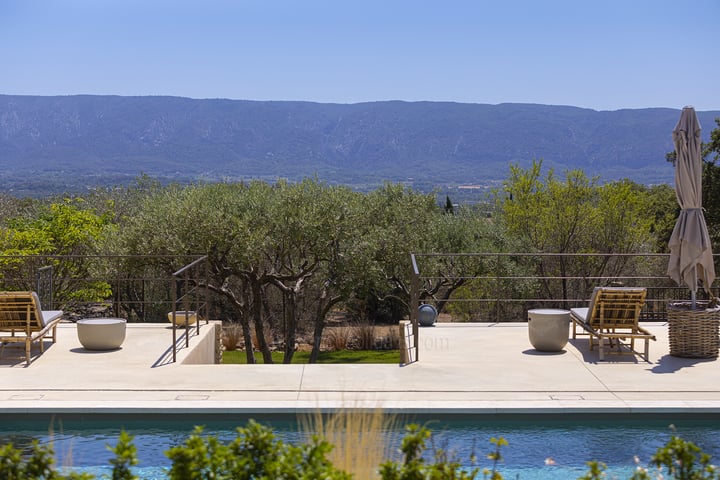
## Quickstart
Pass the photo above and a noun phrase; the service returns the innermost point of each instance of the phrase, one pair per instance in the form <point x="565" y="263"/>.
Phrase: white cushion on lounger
<point x="581" y="313"/>
<point x="47" y="315"/>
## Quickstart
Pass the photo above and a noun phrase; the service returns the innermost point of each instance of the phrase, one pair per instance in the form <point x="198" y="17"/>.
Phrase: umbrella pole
<point x="692" y="298"/>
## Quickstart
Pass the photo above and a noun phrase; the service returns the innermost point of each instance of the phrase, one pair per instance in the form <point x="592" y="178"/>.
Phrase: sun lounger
<point x="22" y="320"/>
<point x="613" y="315"/>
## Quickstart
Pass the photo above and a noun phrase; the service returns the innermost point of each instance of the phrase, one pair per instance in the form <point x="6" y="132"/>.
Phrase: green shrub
<point x="678" y="459"/>
<point x="125" y="458"/>
<point x="38" y="465"/>
<point x="257" y="454"/>
<point x="415" y="467"/>
<point x="254" y="454"/>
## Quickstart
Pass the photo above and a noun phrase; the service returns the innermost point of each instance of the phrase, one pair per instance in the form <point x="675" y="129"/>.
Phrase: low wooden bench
<point x="23" y="321"/>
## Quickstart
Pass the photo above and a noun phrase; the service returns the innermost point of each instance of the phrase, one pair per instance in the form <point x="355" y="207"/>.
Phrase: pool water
<point x="540" y="446"/>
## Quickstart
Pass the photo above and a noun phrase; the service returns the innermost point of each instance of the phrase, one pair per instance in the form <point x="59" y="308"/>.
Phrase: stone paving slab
<point x="463" y="368"/>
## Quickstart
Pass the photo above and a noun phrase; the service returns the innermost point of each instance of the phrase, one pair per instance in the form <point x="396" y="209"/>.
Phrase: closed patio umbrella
<point x="691" y="257"/>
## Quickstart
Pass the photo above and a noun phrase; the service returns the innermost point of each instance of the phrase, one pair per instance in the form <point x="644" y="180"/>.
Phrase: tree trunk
<point x="241" y="307"/>
<point x="290" y="325"/>
<point x="268" y="315"/>
<point x="256" y="308"/>
<point x="247" y="336"/>
<point x="317" y="338"/>
<point x="320" y="314"/>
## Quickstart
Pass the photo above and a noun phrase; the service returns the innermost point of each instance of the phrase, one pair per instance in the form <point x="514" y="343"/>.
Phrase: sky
<point x="598" y="54"/>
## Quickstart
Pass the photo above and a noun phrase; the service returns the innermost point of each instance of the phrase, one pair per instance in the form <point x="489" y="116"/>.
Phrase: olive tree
<point x="399" y="221"/>
<point x="311" y="232"/>
<point x="295" y="239"/>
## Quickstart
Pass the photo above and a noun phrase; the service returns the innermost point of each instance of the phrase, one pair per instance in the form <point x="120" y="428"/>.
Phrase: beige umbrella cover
<point x="690" y="250"/>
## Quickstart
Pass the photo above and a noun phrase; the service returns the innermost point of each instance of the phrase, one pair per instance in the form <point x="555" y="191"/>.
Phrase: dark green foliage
<point x="684" y="460"/>
<point x="125" y="458"/>
<point x="596" y="472"/>
<point x="662" y="208"/>
<point x="449" y="208"/>
<point x="254" y="454"/>
<point x="414" y="466"/>
<point x="711" y="184"/>
<point x="678" y="459"/>
<point x="258" y="455"/>
<point x="712" y="148"/>
<point x="711" y="200"/>
<point x="38" y="465"/>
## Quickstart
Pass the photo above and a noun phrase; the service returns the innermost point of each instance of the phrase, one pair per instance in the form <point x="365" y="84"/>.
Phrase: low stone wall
<point x="205" y="349"/>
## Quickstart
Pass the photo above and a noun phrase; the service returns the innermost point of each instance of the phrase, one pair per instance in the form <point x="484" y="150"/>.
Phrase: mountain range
<point x="68" y="143"/>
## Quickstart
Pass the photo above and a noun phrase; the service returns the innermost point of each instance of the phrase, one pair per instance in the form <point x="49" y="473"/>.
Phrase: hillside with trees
<point x="57" y="144"/>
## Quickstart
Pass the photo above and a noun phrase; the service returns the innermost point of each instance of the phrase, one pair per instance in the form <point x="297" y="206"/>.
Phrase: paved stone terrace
<point x="474" y="368"/>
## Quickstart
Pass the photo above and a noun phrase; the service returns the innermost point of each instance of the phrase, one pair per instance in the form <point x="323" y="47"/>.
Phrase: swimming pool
<point x="540" y="446"/>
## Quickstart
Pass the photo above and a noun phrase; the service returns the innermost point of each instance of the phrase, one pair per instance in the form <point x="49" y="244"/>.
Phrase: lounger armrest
<point x="646" y="332"/>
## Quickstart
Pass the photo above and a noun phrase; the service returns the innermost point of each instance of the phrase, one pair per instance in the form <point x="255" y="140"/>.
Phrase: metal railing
<point x="44" y="286"/>
<point x="189" y="294"/>
<point x="139" y="288"/>
<point x="502" y="287"/>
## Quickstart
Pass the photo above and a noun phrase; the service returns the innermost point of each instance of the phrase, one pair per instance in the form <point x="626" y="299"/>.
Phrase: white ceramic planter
<point x="101" y="333"/>
<point x="548" y="329"/>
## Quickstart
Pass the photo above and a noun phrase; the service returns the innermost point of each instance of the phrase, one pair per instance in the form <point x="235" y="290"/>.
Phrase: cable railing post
<point x="207" y="298"/>
<point x="188" y="307"/>
<point x="198" y="298"/>
<point x="415" y="305"/>
<point x="183" y="289"/>
<point x="497" y="289"/>
<point x="174" y="319"/>
<point x="116" y="295"/>
<point x="43" y="285"/>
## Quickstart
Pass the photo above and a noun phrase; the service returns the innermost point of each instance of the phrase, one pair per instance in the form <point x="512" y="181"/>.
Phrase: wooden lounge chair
<point x="22" y="320"/>
<point x="613" y="315"/>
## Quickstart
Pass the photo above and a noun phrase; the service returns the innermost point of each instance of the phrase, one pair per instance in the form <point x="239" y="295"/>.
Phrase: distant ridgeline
<point x="56" y="144"/>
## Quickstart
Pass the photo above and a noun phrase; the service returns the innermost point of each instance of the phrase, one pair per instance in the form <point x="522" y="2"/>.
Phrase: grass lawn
<point x="342" y="356"/>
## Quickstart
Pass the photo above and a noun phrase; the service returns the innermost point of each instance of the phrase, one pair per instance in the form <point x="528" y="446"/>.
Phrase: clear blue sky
<point x="600" y="54"/>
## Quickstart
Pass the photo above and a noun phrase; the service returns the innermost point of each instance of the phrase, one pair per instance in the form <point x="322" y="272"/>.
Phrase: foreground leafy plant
<point x="258" y="455"/>
<point x="496" y="457"/>
<point x="682" y="460"/>
<point x="125" y="458"/>
<point x="678" y="459"/>
<point x="414" y="466"/>
<point x="39" y="465"/>
<point x="254" y="454"/>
